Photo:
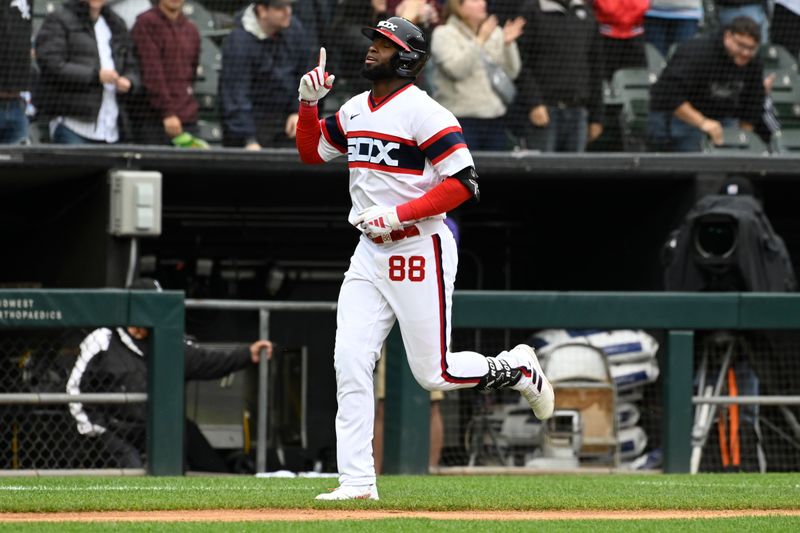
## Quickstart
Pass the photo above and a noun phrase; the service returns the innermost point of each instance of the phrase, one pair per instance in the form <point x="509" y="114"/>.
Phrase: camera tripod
<point x="726" y="349"/>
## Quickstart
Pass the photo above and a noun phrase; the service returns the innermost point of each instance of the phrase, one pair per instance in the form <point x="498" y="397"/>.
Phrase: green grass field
<point x="424" y="493"/>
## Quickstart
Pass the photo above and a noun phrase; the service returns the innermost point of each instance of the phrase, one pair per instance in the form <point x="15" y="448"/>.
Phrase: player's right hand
<point x="378" y="220"/>
<point x="315" y="84"/>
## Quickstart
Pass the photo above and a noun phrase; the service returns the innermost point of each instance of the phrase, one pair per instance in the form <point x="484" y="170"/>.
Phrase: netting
<point x="599" y="75"/>
<point x="608" y="406"/>
<point x="499" y="429"/>
<point x="63" y="434"/>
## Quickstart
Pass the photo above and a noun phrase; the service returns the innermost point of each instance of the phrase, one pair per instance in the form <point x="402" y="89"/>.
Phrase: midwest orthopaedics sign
<point x="24" y="309"/>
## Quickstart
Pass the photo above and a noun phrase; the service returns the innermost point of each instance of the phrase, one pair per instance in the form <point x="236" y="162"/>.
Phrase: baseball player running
<point x="408" y="166"/>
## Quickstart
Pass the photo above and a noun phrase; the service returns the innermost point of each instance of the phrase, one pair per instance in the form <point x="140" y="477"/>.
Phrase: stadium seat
<point x="777" y="58"/>
<point x="611" y="138"/>
<point x="204" y="19"/>
<point x="40" y="11"/>
<point x="786" y="141"/>
<point x="786" y="98"/>
<point x="582" y="380"/>
<point x="210" y="131"/>
<point x="655" y="61"/>
<point x="737" y="140"/>
<point x="206" y="84"/>
<point x="632" y="87"/>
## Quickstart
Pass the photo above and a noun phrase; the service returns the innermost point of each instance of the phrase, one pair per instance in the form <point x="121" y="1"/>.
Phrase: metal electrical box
<point x="135" y="197"/>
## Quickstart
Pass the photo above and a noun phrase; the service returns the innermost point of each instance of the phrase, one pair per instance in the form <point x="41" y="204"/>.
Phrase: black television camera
<point x="726" y="243"/>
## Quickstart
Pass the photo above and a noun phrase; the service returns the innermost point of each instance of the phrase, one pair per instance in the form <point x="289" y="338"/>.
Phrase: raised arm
<point x="314" y="85"/>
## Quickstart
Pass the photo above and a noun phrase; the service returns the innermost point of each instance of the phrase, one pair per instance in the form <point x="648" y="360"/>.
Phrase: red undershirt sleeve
<point x="443" y="198"/>
<point x="309" y="130"/>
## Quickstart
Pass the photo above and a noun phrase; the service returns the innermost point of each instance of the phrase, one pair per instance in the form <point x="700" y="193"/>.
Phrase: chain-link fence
<point x="616" y="408"/>
<point x="609" y="401"/>
<point x="41" y="429"/>
<point x="552" y="76"/>
<point x="747" y="437"/>
<point x="499" y="429"/>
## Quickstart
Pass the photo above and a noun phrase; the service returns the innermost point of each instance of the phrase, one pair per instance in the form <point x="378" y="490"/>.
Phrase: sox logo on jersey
<point x="371" y="150"/>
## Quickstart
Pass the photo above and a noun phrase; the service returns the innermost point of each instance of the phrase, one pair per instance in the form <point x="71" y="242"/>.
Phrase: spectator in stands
<point x="727" y="10"/>
<point x="560" y="87"/>
<point x="621" y="25"/>
<point x="15" y="58"/>
<point x="785" y="29"/>
<point x="461" y="47"/>
<point x="168" y="48"/>
<point x="670" y="22"/>
<point x="262" y="59"/>
<point x="426" y="14"/>
<point x="316" y="17"/>
<point x="347" y="41"/>
<point x="87" y="65"/>
<point x="711" y="82"/>
<point x="115" y="360"/>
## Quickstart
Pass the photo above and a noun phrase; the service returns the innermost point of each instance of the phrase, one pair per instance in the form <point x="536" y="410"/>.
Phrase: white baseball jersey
<point x="397" y="149"/>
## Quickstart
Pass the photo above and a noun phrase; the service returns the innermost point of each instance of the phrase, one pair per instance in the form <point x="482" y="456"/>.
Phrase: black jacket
<point x="66" y="52"/>
<point x="702" y="73"/>
<point x="562" y="58"/>
<point x="259" y="77"/>
<point x="760" y="260"/>
<point x="15" y="46"/>
<point x="112" y="361"/>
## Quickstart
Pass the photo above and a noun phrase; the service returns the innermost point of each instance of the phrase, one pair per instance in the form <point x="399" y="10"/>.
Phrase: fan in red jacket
<point x="621" y="25"/>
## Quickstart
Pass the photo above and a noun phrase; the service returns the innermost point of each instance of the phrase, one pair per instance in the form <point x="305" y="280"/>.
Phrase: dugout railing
<point x="161" y="312"/>
<point x="264" y="309"/>
<point x="679" y="315"/>
<point x="406" y="426"/>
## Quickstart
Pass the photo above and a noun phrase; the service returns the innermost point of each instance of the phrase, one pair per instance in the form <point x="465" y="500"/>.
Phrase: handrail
<point x="60" y="398"/>
<point x="264" y="307"/>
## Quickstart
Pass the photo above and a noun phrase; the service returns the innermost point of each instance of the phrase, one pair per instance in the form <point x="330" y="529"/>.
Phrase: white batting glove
<point x="316" y="83"/>
<point x="378" y="220"/>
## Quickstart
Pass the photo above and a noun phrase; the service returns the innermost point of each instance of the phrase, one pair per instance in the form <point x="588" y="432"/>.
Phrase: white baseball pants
<point x="412" y="281"/>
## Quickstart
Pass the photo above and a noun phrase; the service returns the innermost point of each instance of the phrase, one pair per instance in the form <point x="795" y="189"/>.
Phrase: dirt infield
<point x="299" y="515"/>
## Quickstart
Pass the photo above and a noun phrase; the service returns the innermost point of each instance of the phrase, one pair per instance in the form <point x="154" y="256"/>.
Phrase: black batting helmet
<point x="409" y="39"/>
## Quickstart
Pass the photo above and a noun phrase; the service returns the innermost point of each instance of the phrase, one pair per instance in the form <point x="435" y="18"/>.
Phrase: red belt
<point x="398" y="235"/>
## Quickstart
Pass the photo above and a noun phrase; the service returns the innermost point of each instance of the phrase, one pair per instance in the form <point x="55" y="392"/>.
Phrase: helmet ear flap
<point x="407" y="63"/>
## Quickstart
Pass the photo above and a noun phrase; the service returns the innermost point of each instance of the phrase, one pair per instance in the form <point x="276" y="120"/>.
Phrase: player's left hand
<point x="378" y="220"/>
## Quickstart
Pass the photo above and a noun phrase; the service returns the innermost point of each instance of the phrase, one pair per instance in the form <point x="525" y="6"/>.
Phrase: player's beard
<point x="376" y="71"/>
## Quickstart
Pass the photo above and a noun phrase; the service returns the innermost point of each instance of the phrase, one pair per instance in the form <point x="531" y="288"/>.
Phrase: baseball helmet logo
<point x="388" y="25"/>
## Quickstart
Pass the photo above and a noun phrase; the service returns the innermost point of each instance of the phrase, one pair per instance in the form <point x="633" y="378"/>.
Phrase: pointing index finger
<point x="322" y="58"/>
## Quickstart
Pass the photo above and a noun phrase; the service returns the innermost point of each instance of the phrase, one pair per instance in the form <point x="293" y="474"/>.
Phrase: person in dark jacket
<point x="713" y="81"/>
<point x="15" y="58"/>
<point x="87" y="65"/>
<point x="621" y="25"/>
<point x="114" y="360"/>
<point x="560" y="90"/>
<point x="262" y="58"/>
<point x="168" y="48"/>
